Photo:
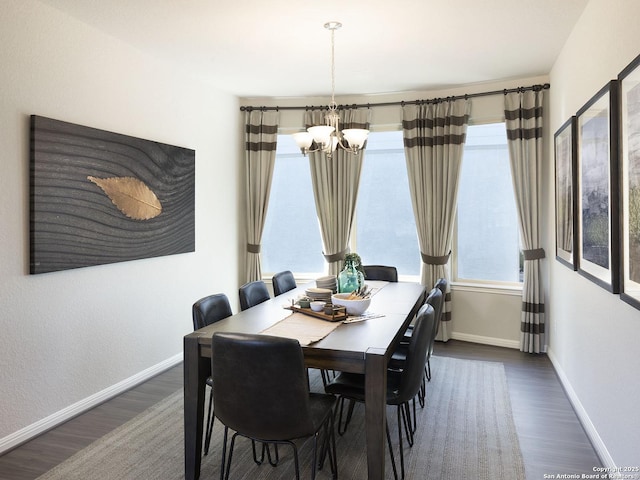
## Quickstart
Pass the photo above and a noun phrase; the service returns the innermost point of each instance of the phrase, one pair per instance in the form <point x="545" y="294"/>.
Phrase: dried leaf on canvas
<point x="131" y="196"/>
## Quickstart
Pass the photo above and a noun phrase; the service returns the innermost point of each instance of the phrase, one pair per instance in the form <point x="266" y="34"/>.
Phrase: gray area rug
<point x="466" y="431"/>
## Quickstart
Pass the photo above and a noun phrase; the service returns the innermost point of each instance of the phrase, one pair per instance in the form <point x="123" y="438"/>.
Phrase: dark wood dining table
<point x="361" y="347"/>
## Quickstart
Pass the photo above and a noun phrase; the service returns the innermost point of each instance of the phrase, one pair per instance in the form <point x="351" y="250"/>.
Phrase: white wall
<point x="594" y="335"/>
<point x="70" y="338"/>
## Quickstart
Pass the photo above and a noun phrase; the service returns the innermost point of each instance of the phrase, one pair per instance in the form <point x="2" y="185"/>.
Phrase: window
<point x="488" y="246"/>
<point x="385" y="225"/>
<point x="486" y="242"/>
<point x="291" y="237"/>
<point x="385" y="229"/>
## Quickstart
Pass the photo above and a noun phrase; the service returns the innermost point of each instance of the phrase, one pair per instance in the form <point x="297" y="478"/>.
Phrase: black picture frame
<point x="98" y="197"/>
<point x="565" y="150"/>
<point x="598" y="253"/>
<point x="629" y="95"/>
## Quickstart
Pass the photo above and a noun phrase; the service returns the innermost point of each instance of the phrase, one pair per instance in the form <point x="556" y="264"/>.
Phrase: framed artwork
<point x="100" y="197"/>
<point x="629" y="86"/>
<point x="598" y="253"/>
<point x="566" y="221"/>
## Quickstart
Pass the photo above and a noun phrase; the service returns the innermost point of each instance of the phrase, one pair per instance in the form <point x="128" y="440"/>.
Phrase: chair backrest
<point x="411" y="376"/>
<point x="435" y="298"/>
<point x="283" y="282"/>
<point x="210" y="309"/>
<point x="252" y="294"/>
<point x="441" y="285"/>
<point x="261" y="388"/>
<point x="380" y="272"/>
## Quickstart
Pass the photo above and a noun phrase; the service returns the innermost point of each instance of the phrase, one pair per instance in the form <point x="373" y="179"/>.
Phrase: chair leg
<point x="224" y="452"/>
<point x="233" y="442"/>
<point x="428" y="370"/>
<point x="209" y="428"/>
<point x="329" y="447"/>
<point x="393" y="458"/>
<point x="352" y="403"/>
<point x="406" y="420"/>
<point x="275" y="447"/>
<point x="400" y="442"/>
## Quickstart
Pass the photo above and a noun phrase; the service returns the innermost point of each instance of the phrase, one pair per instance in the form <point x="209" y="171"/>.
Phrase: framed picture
<point x="598" y="201"/>
<point x="629" y="86"/>
<point x="566" y="221"/>
<point x="100" y="197"/>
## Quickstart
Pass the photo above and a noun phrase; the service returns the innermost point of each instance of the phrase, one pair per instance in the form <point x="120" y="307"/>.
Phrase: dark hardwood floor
<point x="551" y="438"/>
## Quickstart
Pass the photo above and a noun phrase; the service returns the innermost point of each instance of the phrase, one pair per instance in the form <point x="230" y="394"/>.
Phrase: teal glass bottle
<point x="350" y="278"/>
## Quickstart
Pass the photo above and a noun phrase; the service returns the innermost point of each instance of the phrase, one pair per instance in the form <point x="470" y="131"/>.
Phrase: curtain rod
<point x="403" y="102"/>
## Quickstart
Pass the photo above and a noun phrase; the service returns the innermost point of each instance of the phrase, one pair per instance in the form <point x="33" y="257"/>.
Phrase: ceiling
<point x="279" y="48"/>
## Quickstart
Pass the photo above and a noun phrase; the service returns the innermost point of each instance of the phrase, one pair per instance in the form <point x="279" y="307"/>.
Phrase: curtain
<point x="523" y="115"/>
<point x="261" y="134"/>
<point x="335" y="187"/>
<point x="434" y="136"/>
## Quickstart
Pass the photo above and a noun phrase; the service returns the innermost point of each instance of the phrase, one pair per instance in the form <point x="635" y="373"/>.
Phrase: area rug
<point x="465" y="431"/>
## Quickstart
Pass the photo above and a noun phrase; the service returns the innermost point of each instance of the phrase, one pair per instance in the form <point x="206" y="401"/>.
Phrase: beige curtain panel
<point x="335" y="187"/>
<point x="261" y="134"/>
<point x="523" y="115"/>
<point x="434" y="136"/>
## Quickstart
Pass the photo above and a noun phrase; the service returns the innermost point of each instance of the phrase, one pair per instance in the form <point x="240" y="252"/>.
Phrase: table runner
<point x="301" y="327"/>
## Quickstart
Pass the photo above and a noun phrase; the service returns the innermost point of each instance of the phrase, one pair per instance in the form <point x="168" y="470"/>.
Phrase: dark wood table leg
<point x="195" y="371"/>
<point x="375" y="411"/>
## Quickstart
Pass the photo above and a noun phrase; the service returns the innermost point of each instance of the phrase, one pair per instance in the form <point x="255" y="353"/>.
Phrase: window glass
<point x="291" y="237"/>
<point x="488" y="245"/>
<point x="385" y="225"/>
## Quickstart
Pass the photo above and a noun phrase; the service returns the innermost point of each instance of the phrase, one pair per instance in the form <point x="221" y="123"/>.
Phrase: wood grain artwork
<point x="99" y="197"/>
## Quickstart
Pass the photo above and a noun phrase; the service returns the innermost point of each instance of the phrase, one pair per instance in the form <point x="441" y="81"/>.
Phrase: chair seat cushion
<point x="351" y="385"/>
<point x="320" y="406"/>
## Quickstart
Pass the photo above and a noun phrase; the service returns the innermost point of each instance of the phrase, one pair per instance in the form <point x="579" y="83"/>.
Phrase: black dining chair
<point x="206" y="311"/>
<point x="252" y="294"/>
<point x="402" y="385"/>
<point x="283" y="282"/>
<point x="262" y="394"/>
<point x="380" y="272"/>
<point x="435" y="298"/>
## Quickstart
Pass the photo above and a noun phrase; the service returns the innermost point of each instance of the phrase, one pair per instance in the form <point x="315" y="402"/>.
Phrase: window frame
<point x="479" y="285"/>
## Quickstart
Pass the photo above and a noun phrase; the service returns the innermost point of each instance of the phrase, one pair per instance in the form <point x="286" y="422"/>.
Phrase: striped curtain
<point x="335" y="187"/>
<point x="434" y="136"/>
<point x="523" y="116"/>
<point x="261" y="134"/>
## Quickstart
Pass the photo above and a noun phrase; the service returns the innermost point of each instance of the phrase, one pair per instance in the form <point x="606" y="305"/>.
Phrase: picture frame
<point x="629" y="94"/>
<point x="565" y="147"/>
<point x="598" y="252"/>
<point x="100" y="197"/>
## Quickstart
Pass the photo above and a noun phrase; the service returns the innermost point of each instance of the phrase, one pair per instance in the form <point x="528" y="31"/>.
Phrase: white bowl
<point x="317" y="306"/>
<point x="354" y="307"/>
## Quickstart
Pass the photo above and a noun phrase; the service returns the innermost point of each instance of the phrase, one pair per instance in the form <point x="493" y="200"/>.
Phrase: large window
<point x="385" y="225"/>
<point x="291" y="237"/>
<point x="486" y="245"/>
<point x="487" y="229"/>
<point x="385" y="229"/>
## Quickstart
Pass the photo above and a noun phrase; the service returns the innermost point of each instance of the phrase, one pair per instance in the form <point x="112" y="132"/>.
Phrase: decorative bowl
<point x="354" y="307"/>
<point x="317" y="306"/>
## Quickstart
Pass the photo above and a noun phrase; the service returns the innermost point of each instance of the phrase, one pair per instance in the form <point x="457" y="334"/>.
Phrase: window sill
<point x="491" y="288"/>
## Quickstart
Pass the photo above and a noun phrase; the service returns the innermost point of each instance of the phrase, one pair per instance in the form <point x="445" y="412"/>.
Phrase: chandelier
<point x="327" y="138"/>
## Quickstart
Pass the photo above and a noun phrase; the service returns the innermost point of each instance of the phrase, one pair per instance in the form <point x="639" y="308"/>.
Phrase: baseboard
<point x="25" y="434"/>
<point x="497" y="342"/>
<point x="583" y="417"/>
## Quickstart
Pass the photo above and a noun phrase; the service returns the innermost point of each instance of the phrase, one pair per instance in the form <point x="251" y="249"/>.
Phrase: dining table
<point x="359" y="347"/>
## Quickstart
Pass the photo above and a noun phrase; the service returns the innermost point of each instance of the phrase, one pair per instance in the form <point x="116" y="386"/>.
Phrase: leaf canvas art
<point x="99" y="197"/>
